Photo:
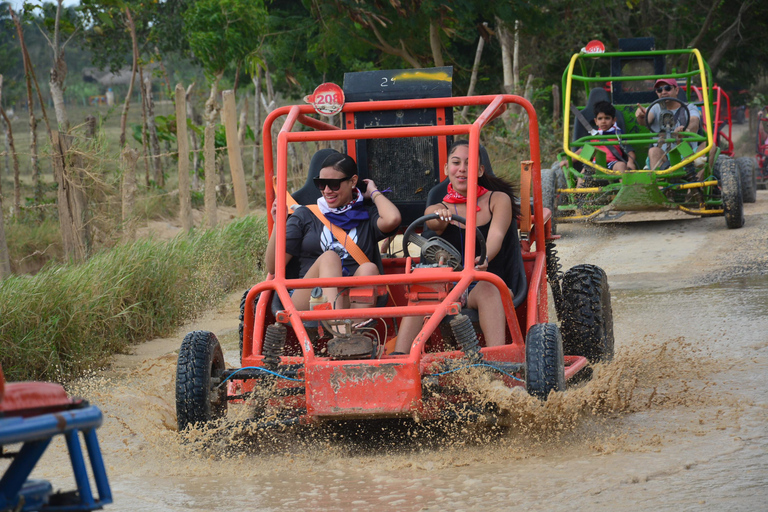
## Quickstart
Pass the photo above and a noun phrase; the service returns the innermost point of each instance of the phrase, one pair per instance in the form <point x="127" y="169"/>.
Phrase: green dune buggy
<point x="697" y="180"/>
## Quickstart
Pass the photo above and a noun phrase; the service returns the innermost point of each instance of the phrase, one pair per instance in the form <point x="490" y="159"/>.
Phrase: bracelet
<point x="374" y="191"/>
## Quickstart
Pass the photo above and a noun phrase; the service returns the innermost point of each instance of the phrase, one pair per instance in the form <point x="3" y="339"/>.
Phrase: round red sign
<point x="594" y="46"/>
<point x="328" y="99"/>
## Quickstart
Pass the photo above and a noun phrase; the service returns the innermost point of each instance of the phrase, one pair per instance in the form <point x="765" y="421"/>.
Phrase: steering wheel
<point x="436" y="250"/>
<point x="668" y="119"/>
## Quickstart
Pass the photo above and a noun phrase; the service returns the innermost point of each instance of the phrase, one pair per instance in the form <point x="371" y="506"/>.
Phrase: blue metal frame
<point x="36" y="434"/>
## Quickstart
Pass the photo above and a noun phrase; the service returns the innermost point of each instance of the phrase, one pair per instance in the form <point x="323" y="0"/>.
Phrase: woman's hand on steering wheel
<point x="481" y="265"/>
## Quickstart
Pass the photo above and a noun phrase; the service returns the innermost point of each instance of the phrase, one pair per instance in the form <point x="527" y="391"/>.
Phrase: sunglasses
<point x="333" y="183"/>
<point x="664" y="88"/>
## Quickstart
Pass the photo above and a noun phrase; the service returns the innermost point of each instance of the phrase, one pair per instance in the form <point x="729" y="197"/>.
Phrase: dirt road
<point x="676" y="422"/>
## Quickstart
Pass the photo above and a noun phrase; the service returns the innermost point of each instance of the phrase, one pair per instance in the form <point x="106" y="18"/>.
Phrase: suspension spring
<point x="274" y="343"/>
<point x="466" y="337"/>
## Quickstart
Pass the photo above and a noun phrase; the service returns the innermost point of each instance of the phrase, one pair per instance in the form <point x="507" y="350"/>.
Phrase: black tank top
<point x="506" y="262"/>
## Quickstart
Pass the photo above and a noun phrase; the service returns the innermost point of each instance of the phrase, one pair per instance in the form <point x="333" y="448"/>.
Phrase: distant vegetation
<point x="100" y="79"/>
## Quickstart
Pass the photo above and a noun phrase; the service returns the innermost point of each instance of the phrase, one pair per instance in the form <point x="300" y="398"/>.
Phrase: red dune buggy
<point x="762" y="148"/>
<point x="299" y="367"/>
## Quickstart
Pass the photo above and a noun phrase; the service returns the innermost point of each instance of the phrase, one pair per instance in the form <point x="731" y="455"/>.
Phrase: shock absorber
<point x="466" y="337"/>
<point x="274" y="343"/>
<point x="555" y="276"/>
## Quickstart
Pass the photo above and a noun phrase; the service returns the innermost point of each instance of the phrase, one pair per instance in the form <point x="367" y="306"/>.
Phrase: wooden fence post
<point x="185" y="213"/>
<point x="209" y="154"/>
<point x="129" y="158"/>
<point x="229" y="117"/>
<point x="71" y="200"/>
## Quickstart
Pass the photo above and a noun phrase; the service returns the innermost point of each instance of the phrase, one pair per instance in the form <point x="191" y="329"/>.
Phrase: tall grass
<point x="69" y="318"/>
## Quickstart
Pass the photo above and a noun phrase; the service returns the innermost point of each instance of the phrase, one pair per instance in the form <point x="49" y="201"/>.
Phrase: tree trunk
<point x="129" y="158"/>
<point x="435" y="44"/>
<point x="195" y="145"/>
<point x="211" y="111"/>
<point x="229" y="118"/>
<point x="210" y="176"/>
<point x="5" y="261"/>
<point x="58" y="74"/>
<point x="185" y="200"/>
<point x="516" y="59"/>
<point x="256" y="121"/>
<point x="556" y="104"/>
<point x="38" y="194"/>
<point x="725" y="40"/>
<point x="506" y="57"/>
<point x="12" y="149"/>
<point x="124" y="116"/>
<point x="144" y="130"/>
<point x="475" y="70"/>
<point x="155" y="142"/>
<point x="242" y="127"/>
<point x="71" y="201"/>
<point x="2" y="124"/>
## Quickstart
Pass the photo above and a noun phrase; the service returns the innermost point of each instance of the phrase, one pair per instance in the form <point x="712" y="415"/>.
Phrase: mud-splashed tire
<point x="748" y="174"/>
<point x="544" y="363"/>
<point x="198" y="400"/>
<point x="587" y="314"/>
<point x="730" y="188"/>
<point x="549" y="196"/>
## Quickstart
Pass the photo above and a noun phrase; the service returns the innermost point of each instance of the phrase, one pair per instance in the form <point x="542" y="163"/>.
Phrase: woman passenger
<point x="320" y="254"/>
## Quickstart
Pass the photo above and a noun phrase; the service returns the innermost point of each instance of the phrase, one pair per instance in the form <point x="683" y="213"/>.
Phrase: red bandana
<point x="454" y="197"/>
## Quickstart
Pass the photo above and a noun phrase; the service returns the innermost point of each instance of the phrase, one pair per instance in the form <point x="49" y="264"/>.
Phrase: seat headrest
<point x="595" y="95"/>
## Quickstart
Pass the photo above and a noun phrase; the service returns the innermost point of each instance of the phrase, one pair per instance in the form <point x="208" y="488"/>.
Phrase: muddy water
<point x="676" y="422"/>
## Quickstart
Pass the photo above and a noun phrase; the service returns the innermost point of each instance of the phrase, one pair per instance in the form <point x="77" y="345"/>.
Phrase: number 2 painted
<point x="385" y="82"/>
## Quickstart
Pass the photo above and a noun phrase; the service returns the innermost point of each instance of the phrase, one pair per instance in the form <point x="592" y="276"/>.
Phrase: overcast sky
<point x="16" y="4"/>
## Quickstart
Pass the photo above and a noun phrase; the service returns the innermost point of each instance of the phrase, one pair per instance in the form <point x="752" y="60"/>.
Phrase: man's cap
<point x="668" y="81"/>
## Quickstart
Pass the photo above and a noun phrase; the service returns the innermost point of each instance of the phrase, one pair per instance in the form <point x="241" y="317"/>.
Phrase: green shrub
<point x="69" y="318"/>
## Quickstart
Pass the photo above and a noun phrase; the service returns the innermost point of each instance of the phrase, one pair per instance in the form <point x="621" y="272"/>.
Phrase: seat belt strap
<point x="340" y="235"/>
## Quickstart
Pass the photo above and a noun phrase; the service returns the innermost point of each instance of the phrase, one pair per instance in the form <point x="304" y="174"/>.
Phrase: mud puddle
<point x="676" y="422"/>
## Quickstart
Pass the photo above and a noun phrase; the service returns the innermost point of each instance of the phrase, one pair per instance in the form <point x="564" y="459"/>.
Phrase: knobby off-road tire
<point x="549" y="184"/>
<point x="588" y="316"/>
<point x="544" y="364"/>
<point x="748" y="174"/>
<point x="730" y="187"/>
<point x="197" y="399"/>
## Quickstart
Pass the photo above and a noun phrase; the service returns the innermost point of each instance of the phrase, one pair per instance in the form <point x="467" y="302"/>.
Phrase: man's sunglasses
<point x="333" y="183"/>
<point x="664" y="88"/>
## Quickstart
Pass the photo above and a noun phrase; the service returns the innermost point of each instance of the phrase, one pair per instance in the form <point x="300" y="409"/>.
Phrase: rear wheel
<point x="730" y="187"/>
<point x="748" y="174"/>
<point x="544" y="364"/>
<point x="199" y="399"/>
<point x="588" y="314"/>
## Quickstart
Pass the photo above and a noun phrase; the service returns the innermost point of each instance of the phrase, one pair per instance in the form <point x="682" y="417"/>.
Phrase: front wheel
<point x="588" y="314"/>
<point x="544" y="362"/>
<point x="730" y="187"/>
<point x="199" y="396"/>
